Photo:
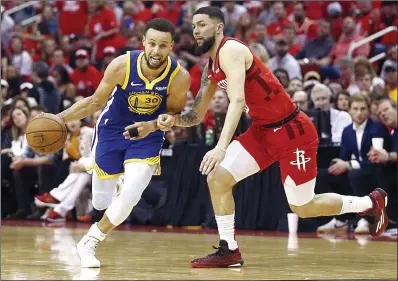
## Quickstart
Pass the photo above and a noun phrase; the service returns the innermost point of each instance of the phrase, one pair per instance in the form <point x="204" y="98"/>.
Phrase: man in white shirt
<point x="352" y="173"/>
<point x="321" y="97"/>
<point x="285" y="60"/>
<point x="7" y="24"/>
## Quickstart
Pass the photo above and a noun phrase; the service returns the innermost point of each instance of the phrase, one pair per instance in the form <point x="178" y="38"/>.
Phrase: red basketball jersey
<point x="266" y="99"/>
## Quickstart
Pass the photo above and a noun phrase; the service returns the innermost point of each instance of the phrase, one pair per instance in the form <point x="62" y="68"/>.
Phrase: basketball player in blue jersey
<point x="137" y="87"/>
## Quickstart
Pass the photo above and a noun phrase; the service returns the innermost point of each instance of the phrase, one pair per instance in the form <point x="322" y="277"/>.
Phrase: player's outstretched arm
<point x="195" y="114"/>
<point x="114" y="75"/>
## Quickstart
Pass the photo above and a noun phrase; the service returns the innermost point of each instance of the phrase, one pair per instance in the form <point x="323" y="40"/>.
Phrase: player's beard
<point x="206" y="46"/>
<point x="153" y="67"/>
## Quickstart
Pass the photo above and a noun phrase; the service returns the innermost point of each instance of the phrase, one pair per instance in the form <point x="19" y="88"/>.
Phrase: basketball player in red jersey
<point x="279" y="132"/>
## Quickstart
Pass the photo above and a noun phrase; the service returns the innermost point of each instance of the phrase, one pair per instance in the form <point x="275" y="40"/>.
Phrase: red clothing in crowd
<point x="72" y="16"/>
<point x="86" y="82"/>
<point x="104" y="21"/>
<point x="340" y="48"/>
<point x="196" y="75"/>
<point x="144" y="16"/>
<point x="172" y="15"/>
<point x="316" y="10"/>
<point x="277" y="27"/>
<point x="306" y="31"/>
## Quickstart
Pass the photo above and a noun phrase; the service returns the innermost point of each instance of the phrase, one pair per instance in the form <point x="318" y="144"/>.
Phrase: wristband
<point x="174" y="120"/>
<point x="222" y="149"/>
<point x="389" y="159"/>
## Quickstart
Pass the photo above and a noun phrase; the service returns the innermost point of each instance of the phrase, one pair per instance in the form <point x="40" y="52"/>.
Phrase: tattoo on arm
<point x="190" y="117"/>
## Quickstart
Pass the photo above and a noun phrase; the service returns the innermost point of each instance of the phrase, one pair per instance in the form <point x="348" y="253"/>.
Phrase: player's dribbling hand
<point x="211" y="160"/>
<point x="138" y="130"/>
<point x="165" y="122"/>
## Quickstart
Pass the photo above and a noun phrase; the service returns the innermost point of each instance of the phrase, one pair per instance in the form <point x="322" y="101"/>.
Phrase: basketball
<point x="46" y="133"/>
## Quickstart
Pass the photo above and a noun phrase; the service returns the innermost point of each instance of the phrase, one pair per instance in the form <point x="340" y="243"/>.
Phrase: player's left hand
<point x="211" y="160"/>
<point x="138" y="130"/>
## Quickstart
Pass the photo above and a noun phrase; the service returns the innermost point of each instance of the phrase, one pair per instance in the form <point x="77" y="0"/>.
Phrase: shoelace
<point x="220" y="251"/>
<point x="91" y="245"/>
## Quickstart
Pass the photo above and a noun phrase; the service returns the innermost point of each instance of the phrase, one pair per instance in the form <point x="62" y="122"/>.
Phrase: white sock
<point x="353" y="204"/>
<point x="226" y="229"/>
<point x="95" y="232"/>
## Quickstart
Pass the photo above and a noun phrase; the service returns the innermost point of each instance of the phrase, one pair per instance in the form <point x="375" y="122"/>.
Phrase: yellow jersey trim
<point x="150" y="85"/>
<point x="101" y="173"/>
<point x="174" y="73"/>
<point x="150" y="161"/>
<point x="127" y="77"/>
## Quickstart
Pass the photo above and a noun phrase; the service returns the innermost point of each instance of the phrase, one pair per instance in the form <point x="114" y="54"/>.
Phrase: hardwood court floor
<point x="45" y="252"/>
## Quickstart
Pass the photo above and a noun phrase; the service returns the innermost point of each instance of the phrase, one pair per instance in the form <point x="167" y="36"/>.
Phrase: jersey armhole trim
<point x="174" y="73"/>
<point x="127" y="77"/>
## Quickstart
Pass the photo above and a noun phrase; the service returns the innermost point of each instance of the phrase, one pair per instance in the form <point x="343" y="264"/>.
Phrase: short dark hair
<point x="41" y="68"/>
<point x="161" y="24"/>
<point x="212" y="12"/>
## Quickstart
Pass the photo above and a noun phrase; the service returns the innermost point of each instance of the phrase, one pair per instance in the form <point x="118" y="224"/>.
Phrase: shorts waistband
<point x="283" y="121"/>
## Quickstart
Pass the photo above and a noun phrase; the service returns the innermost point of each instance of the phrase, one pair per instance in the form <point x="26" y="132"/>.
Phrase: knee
<point x="101" y="202"/>
<point x="220" y="180"/>
<point x="304" y="211"/>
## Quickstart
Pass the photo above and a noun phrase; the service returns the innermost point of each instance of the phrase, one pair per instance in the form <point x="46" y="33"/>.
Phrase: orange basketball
<point x="46" y="133"/>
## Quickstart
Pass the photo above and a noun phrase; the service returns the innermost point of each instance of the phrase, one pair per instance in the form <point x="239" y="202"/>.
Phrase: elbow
<point x="95" y="103"/>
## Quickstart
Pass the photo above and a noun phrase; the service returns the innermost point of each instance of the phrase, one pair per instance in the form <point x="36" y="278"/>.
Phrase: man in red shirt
<point x="349" y="36"/>
<point x="85" y="77"/>
<point x="306" y="29"/>
<point x="279" y="132"/>
<point x="281" y="20"/>
<point x="72" y="16"/>
<point x="104" y="29"/>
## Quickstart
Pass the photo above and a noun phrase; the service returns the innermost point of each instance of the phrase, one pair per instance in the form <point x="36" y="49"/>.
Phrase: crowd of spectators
<point x="60" y="57"/>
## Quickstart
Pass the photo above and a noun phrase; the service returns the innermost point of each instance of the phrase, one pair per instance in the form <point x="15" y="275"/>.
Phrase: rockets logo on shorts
<point x="301" y="160"/>
<point x="223" y="85"/>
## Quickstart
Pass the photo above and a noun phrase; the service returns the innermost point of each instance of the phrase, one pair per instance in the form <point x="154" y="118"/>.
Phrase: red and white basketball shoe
<point x="223" y="257"/>
<point x="377" y="215"/>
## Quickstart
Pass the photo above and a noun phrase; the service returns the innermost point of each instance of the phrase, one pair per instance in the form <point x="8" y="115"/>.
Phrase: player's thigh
<point x="108" y="159"/>
<point x="241" y="163"/>
<point x="103" y="191"/>
<point x="298" y="172"/>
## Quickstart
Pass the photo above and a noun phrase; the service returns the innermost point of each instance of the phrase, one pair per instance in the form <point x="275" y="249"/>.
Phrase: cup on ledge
<point x="377" y="143"/>
<point x="292" y="222"/>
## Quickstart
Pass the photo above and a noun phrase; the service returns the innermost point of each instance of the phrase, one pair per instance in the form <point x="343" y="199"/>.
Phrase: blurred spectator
<point x="196" y="74"/>
<point x="261" y="52"/>
<point x="48" y="23"/>
<point x="266" y="17"/>
<point x="329" y="122"/>
<point x="349" y="35"/>
<point x="336" y="87"/>
<point x="103" y="28"/>
<point x="60" y="60"/>
<point x="366" y="16"/>
<point x="20" y="58"/>
<point x="284" y="60"/>
<point x="24" y="92"/>
<point x="244" y="30"/>
<point x="390" y="69"/>
<point x="21" y="102"/>
<point x="282" y="76"/>
<point x="315" y="51"/>
<point x="306" y="29"/>
<point x="72" y="9"/>
<point x="7" y="25"/>
<point x="295" y="85"/>
<point x="63" y="198"/>
<point x="85" y="77"/>
<point x="109" y="56"/>
<point x="111" y="4"/>
<point x="47" y="52"/>
<point x="4" y="92"/>
<point x="301" y="99"/>
<point x="185" y="47"/>
<point x="6" y="132"/>
<point x="170" y="12"/>
<point x="347" y="77"/>
<point x="45" y="92"/>
<point x="260" y="36"/>
<point x="387" y="18"/>
<point x="232" y="14"/>
<point x="391" y="56"/>
<point x="133" y="43"/>
<point x="342" y="101"/>
<point x="289" y="31"/>
<point x="64" y="83"/>
<point x="281" y="20"/>
<point x="362" y="66"/>
<point x="335" y="13"/>
<point x="13" y="80"/>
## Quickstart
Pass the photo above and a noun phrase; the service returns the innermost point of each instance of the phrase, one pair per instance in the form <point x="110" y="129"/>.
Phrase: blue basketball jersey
<point x="136" y="100"/>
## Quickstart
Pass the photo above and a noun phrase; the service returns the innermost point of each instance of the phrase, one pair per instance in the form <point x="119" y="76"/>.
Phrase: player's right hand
<point x="165" y="122"/>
